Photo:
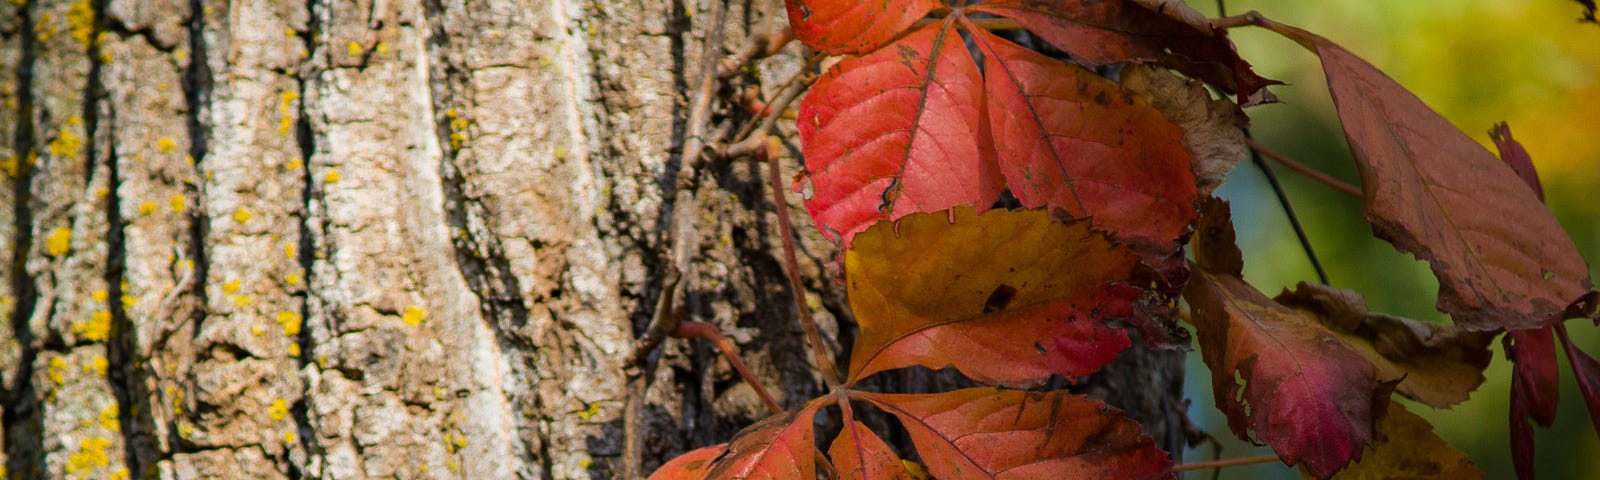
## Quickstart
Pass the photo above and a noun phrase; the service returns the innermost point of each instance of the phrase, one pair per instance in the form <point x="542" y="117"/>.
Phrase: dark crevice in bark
<point x="305" y="139"/>
<point x="24" y="427"/>
<point x="479" y="255"/>
<point x="125" y="376"/>
<point x="197" y="95"/>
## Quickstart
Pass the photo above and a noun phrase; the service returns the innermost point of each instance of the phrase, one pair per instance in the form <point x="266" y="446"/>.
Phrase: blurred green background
<point x="1478" y="62"/>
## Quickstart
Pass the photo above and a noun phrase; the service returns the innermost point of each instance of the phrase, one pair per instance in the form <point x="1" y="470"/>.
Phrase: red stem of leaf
<point x="1229" y="462"/>
<point x="1320" y="177"/>
<point x="709" y="332"/>
<point x="797" y="289"/>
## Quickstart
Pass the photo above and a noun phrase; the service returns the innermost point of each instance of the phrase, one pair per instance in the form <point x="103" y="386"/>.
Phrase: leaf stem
<point x="1320" y="177"/>
<point x="994" y="24"/>
<point x="797" y="289"/>
<point x="710" y="332"/>
<point x="1288" y="210"/>
<point x="1230" y="462"/>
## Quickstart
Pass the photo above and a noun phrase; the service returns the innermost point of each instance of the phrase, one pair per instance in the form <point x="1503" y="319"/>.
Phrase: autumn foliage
<point x="931" y="117"/>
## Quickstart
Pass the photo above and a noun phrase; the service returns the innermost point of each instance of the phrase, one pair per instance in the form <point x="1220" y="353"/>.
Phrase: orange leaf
<point x="1072" y="140"/>
<point x="1441" y="364"/>
<point x="1305" y="392"/>
<point x="854" y="26"/>
<point x="779" y="447"/>
<point x="1502" y="260"/>
<point x="693" y="465"/>
<point x="1410" y="450"/>
<point x="859" y="454"/>
<point x="1010" y="434"/>
<point x="1007" y="297"/>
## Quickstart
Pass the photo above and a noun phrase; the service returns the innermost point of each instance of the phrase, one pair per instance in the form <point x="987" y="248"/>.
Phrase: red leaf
<point x="779" y="447"/>
<point x="854" y="26"/>
<point x="1501" y="258"/>
<point x="1533" y="356"/>
<point x="694" y="465"/>
<point x="1517" y="157"/>
<point x="1101" y="32"/>
<point x="1073" y="140"/>
<point x="1535" y="389"/>
<point x="1588" y="372"/>
<point x="1010" y="434"/>
<point x="1306" y="393"/>
<point x="859" y="454"/>
<point x="895" y="132"/>
<point x="1521" y="434"/>
<point x="906" y="129"/>
<point x="1004" y="296"/>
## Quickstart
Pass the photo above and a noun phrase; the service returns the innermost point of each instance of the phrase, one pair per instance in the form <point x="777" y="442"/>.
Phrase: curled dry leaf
<point x="1502" y="260"/>
<point x="1180" y="11"/>
<point x="1010" y="434"/>
<point x="1305" y="392"/>
<point x="1441" y="364"/>
<point x="1513" y="154"/>
<point x="840" y="27"/>
<point x="1410" y="450"/>
<point x="1213" y="129"/>
<point x="1102" y="32"/>
<point x="1006" y="297"/>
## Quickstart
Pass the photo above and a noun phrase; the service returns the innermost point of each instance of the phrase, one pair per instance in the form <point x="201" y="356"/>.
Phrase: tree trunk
<point x="376" y="238"/>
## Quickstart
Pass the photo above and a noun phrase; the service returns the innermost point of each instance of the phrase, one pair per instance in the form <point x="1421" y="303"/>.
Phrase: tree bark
<point x="376" y="238"/>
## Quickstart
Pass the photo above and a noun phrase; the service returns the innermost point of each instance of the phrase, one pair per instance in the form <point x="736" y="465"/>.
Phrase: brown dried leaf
<point x="1213" y="129"/>
<point x="1442" y="364"/>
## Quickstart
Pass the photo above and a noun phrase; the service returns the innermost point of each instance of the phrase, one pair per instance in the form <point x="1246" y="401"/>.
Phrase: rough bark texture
<point x="374" y="238"/>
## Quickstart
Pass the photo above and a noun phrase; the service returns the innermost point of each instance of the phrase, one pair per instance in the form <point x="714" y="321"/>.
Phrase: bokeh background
<point x="1478" y="62"/>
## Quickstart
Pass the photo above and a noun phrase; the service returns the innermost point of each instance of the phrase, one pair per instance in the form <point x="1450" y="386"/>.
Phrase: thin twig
<point x="756" y="48"/>
<point x="684" y="238"/>
<point x="634" y="367"/>
<point x="1231" y="462"/>
<point x="1272" y="178"/>
<point x="709" y="332"/>
<point x="1288" y="210"/>
<point x="791" y="90"/>
<point x="797" y="289"/>
<point x="1236" y="21"/>
<point x="1320" y="177"/>
<point x="662" y="323"/>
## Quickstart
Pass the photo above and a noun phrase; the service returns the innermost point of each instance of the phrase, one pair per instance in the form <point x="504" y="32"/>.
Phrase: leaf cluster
<point x="929" y="119"/>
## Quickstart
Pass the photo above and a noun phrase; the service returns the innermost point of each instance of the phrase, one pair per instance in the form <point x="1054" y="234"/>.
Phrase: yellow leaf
<point x="1411" y="451"/>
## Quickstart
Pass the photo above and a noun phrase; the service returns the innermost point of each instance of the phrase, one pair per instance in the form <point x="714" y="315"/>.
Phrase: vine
<point x="925" y="118"/>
